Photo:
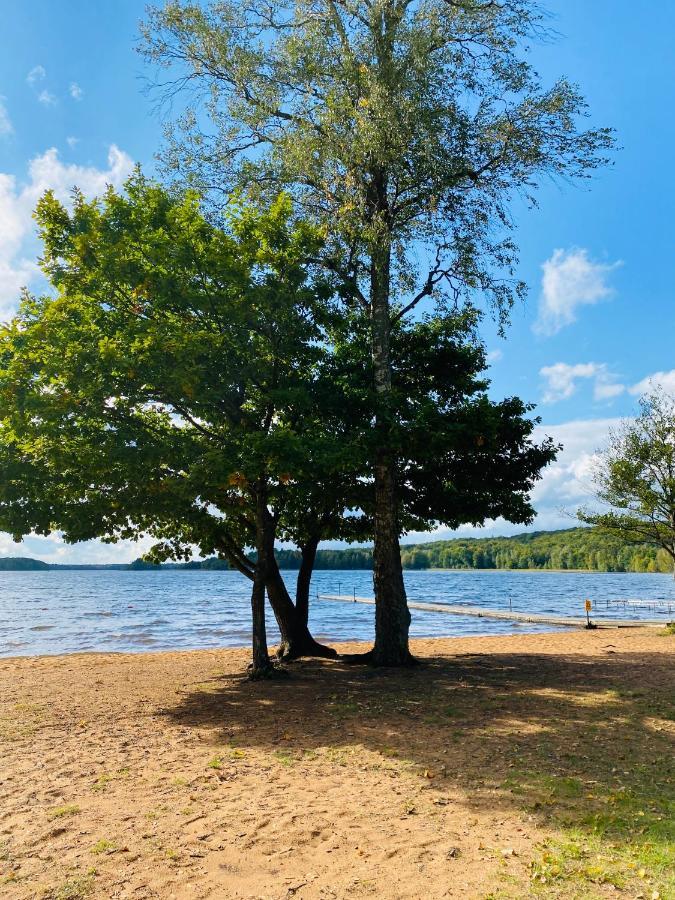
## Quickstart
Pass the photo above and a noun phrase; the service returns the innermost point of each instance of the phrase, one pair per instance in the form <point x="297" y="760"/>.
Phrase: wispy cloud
<point x="46" y="98"/>
<point x="6" y="126"/>
<point x="72" y="142"/>
<point x="75" y="91"/>
<point x="570" y="280"/>
<point x="36" y="74"/>
<point x="562" y="381"/>
<point x="663" y="380"/>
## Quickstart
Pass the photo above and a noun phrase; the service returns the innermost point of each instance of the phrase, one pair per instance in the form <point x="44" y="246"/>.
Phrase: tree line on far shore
<point x="570" y="549"/>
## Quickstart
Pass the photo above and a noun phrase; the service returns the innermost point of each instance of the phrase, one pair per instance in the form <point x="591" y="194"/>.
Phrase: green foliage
<point x="635" y="479"/>
<point x="172" y="369"/>
<point x="576" y="548"/>
<point x="21" y="563"/>
<point x="390" y="122"/>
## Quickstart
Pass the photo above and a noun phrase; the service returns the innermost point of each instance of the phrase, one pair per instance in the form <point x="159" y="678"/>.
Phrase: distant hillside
<point x="21" y="564"/>
<point x="574" y="548"/>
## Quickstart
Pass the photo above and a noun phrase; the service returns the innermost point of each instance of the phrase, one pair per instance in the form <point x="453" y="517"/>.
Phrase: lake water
<point x="72" y="611"/>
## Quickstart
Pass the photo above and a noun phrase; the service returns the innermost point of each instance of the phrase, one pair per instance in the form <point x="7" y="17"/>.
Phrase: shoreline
<point x="348" y="646"/>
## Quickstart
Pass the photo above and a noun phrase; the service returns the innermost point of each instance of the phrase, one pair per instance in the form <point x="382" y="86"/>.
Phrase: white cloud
<point x="6" y="126"/>
<point x="570" y="280"/>
<point x="663" y="380"/>
<point x="562" y="381"/>
<point x="494" y="356"/>
<point x="72" y="142"/>
<point x="567" y="482"/>
<point x="53" y="549"/>
<point x="46" y="98"/>
<point x="18" y="246"/>
<point x="36" y="74"/>
<point x="75" y="91"/>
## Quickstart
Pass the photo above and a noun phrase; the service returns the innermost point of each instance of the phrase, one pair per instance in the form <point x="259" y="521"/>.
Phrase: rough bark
<point x="392" y="616"/>
<point x="261" y="664"/>
<point x="308" y="553"/>
<point x="296" y="639"/>
<point x="292" y="618"/>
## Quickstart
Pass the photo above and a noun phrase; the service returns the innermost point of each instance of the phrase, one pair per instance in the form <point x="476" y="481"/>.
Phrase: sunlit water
<point x="72" y="611"/>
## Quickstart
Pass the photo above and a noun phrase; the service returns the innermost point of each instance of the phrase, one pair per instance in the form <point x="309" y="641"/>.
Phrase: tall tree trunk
<point x="308" y="553"/>
<point x="392" y="616"/>
<point x="261" y="665"/>
<point x="296" y="639"/>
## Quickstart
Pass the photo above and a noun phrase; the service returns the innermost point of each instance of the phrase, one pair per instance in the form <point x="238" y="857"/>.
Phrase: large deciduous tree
<point x="635" y="478"/>
<point x="167" y="387"/>
<point x="407" y="127"/>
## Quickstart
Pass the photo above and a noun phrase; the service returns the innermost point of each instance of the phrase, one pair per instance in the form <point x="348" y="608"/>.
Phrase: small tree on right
<point x="635" y="477"/>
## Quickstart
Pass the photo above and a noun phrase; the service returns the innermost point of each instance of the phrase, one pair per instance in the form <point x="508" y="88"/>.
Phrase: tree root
<point x="258" y="673"/>
<point x="370" y="658"/>
<point x="289" y="652"/>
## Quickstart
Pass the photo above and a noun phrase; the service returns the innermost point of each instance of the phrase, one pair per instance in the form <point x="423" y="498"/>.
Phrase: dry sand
<point x="169" y="775"/>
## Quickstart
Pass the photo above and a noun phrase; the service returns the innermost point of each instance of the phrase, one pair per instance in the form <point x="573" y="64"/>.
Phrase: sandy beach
<point x="170" y="775"/>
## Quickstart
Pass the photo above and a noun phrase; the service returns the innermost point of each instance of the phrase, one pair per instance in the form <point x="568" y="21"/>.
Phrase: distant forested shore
<point x="574" y="548"/>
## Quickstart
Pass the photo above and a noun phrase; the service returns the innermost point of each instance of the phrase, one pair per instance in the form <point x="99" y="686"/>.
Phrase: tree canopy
<point x="405" y="128"/>
<point x="166" y="389"/>
<point x="635" y="478"/>
<point x="196" y="383"/>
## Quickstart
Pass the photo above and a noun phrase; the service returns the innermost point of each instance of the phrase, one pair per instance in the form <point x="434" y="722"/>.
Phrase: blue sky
<point x="599" y="259"/>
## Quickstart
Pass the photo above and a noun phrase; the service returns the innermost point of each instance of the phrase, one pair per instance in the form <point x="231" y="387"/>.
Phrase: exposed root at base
<point x="287" y="653"/>
<point x="270" y="671"/>
<point x="370" y="658"/>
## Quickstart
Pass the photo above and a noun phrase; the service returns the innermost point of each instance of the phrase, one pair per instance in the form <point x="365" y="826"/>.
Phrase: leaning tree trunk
<point x="392" y="616"/>
<point x="296" y="639"/>
<point x="292" y="619"/>
<point x="308" y="554"/>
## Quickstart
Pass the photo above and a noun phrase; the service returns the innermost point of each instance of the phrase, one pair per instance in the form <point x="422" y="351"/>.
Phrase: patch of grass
<point x="579" y="860"/>
<point x="180" y="782"/>
<point x="73" y="889"/>
<point x="105" y="778"/>
<point x="215" y="763"/>
<point x="621" y="835"/>
<point x="343" y="708"/>
<point x="104" y="846"/>
<point x="669" y="630"/>
<point x="285" y="757"/>
<point x="60" y="812"/>
<point x="237" y="754"/>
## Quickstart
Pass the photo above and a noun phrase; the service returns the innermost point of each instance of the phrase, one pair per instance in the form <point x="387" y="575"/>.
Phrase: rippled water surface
<point x="72" y="611"/>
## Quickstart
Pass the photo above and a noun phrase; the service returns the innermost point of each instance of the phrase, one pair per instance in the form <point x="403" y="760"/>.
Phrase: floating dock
<point x="508" y="615"/>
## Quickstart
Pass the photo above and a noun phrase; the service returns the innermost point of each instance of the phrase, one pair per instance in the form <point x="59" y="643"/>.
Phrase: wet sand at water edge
<point x="483" y="773"/>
